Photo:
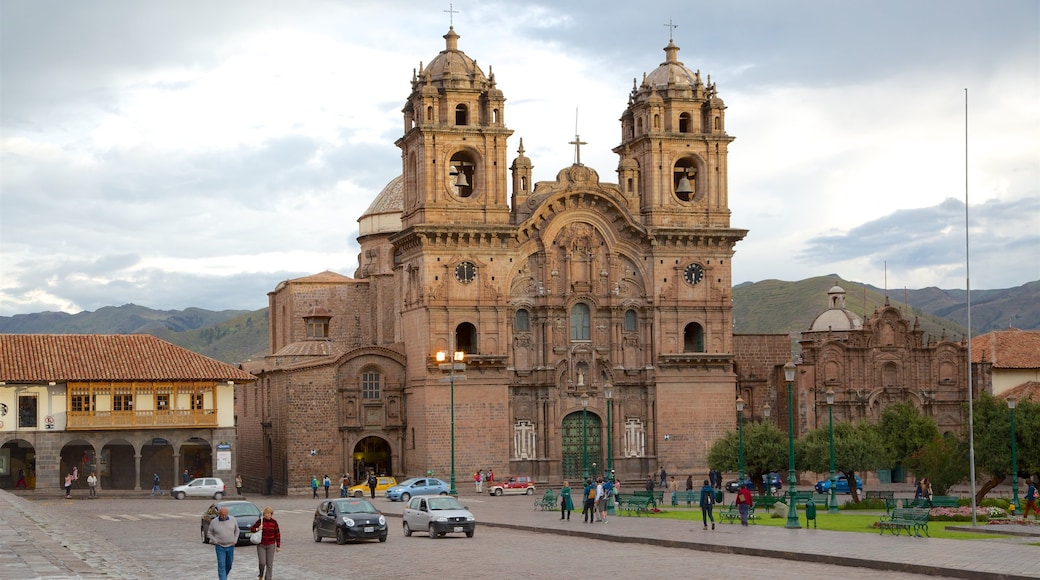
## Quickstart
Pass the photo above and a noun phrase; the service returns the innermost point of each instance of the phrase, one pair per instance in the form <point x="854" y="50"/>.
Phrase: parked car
<point x="417" y="486"/>
<point x="841" y="485"/>
<point x="383" y="483"/>
<point x="775" y="483"/>
<point x="245" y="512"/>
<point x="201" y="487"/>
<point x="348" y="519"/>
<point x="437" y="516"/>
<point x="514" y="484"/>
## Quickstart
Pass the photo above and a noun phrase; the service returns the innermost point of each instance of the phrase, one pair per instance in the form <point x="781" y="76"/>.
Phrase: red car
<point x="514" y="484"/>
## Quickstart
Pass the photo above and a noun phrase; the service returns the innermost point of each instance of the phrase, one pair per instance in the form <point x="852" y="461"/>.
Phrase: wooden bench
<point x="548" y="502"/>
<point x="632" y="502"/>
<point x="913" y="520"/>
<point x="731" y="513"/>
<point x="946" y="501"/>
<point x="656" y="498"/>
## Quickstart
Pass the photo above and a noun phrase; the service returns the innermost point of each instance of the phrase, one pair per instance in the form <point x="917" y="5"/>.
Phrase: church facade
<point x="594" y="319"/>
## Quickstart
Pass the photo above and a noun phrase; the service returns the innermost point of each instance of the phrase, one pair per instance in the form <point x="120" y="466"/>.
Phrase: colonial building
<point x="123" y="406"/>
<point x="1013" y="354"/>
<point x="872" y="364"/>
<point x="595" y="319"/>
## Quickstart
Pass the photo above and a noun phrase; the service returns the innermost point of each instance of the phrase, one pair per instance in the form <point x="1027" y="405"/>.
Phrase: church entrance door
<point x="371" y="454"/>
<point x="574" y="441"/>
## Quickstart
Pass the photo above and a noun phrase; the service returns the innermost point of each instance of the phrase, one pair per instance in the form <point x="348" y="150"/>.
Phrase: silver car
<point x="201" y="487"/>
<point x="437" y="515"/>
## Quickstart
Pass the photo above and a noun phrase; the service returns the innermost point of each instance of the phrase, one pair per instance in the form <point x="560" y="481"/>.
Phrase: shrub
<point x="867" y="504"/>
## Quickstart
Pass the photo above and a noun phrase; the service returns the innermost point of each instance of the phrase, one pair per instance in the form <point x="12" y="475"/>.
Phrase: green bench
<point x="731" y="513"/>
<point x="656" y="498"/>
<point x="632" y="502"/>
<point x="767" y="501"/>
<point x="889" y="497"/>
<point x="946" y="501"/>
<point x="913" y="520"/>
<point x="548" y="501"/>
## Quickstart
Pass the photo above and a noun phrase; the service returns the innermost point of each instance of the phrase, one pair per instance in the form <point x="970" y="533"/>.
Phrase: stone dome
<point x="837" y="317"/>
<point x="671" y="71"/>
<point x="384" y="213"/>
<point x="452" y="68"/>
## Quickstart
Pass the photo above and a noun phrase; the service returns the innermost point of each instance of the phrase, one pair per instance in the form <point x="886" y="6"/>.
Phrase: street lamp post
<point x="1011" y="403"/>
<point x="792" y="512"/>
<point x="766" y="411"/>
<point x="740" y="439"/>
<point x="833" y="508"/>
<point x="608" y="394"/>
<point x="457" y="361"/>
<point x="585" y="434"/>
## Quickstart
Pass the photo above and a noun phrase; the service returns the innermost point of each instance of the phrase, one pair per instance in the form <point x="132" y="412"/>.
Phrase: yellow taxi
<point x="383" y="483"/>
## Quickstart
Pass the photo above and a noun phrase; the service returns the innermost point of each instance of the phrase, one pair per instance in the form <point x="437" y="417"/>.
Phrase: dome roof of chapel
<point x="671" y="71"/>
<point x="452" y="66"/>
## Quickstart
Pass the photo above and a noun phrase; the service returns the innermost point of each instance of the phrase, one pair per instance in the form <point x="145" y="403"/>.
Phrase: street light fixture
<point x="1012" y="403"/>
<point x="792" y="512"/>
<point x="608" y="394"/>
<point x="585" y="433"/>
<point x="740" y="438"/>
<point x="833" y="508"/>
<point x="458" y="358"/>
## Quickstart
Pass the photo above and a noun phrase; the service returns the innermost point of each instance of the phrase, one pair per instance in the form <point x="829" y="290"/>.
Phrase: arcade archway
<point x="20" y="458"/>
<point x="371" y="454"/>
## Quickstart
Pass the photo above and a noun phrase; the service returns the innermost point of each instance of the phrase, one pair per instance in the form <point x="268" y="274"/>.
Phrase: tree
<point x="992" y="441"/>
<point x="905" y="430"/>
<point x="943" y="460"/>
<point x="857" y="448"/>
<point x="765" y="449"/>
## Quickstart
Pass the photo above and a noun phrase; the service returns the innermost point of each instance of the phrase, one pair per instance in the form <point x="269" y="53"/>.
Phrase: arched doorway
<point x="20" y="456"/>
<point x="575" y="437"/>
<point x="118" y="468"/>
<point x="197" y="458"/>
<point x="77" y="457"/>
<point x="371" y="454"/>
<point x="157" y="459"/>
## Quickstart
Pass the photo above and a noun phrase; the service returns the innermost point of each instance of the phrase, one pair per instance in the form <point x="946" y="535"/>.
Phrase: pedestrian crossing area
<point x="140" y="517"/>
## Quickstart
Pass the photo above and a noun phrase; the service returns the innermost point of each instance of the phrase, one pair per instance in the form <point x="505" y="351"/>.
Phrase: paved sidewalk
<point x="33" y="543"/>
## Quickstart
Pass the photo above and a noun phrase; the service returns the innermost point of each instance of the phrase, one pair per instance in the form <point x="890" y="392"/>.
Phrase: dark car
<point x="775" y="483"/>
<point x="245" y="513"/>
<point x="348" y="519"/>
<point x="841" y="485"/>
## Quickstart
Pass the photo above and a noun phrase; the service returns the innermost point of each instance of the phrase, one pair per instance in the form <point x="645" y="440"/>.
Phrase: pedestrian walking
<point x="155" y="485"/>
<point x="372" y="483"/>
<point x="491" y="476"/>
<point x="185" y="477"/>
<point x="588" y="506"/>
<point x="478" y="480"/>
<point x="664" y="478"/>
<point x="673" y="488"/>
<point x="601" y="500"/>
<point x="21" y="480"/>
<point x="326" y="483"/>
<point x="689" y="489"/>
<point x="566" y="503"/>
<point x="1031" y="502"/>
<point x="926" y="490"/>
<point x="68" y="486"/>
<point x="744" y="502"/>
<point x="344" y="485"/>
<point x="92" y="484"/>
<point x="223" y="534"/>
<point x="270" y="543"/>
<point x="314" y="487"/>
<point x="238" y="483"/>
<point x="707" y="503"/>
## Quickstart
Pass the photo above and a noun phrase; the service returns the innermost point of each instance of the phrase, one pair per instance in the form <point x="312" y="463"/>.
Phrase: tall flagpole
<point x="967" y="275"/>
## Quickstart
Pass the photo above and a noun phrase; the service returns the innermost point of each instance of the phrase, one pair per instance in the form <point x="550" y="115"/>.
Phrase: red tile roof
<point x="106" y="357"/>
<point x="1008" y="349"/>
<point x="1028" y="390"/>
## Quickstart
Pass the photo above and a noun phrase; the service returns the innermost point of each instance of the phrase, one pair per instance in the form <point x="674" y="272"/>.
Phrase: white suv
<point x="201" y="487"/>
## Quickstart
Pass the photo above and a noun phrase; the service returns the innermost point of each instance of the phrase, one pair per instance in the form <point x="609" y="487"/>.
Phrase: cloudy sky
<point x="195" y="153"/>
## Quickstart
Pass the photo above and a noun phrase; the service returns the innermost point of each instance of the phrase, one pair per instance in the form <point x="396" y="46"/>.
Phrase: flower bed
<point x="963" y="514"/>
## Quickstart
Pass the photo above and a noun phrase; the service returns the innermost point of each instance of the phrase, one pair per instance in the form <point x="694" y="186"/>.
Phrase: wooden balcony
<point x="89" y="420"/>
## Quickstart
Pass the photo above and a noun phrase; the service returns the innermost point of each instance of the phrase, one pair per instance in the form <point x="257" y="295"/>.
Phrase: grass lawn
<point x="850" y="521"/>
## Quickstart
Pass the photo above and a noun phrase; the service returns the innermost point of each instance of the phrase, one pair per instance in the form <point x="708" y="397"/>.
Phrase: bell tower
<point x="673" y="148"/>
<point x="454" y="143"/>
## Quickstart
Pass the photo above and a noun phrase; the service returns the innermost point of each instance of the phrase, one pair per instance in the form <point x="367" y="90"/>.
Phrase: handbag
<point x="258" y="535"/>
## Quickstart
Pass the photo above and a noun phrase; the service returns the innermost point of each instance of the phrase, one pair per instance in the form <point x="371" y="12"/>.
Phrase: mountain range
<point x="766" y="307"/>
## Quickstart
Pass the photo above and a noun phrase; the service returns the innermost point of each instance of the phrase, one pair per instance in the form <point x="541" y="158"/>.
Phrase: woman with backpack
<point x="707" y="501"/>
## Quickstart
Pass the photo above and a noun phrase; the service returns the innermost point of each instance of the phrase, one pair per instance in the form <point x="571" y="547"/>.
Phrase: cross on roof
<point x="671" y="28"/>
<point x="451" y="14"/>
<point x="577" y="148"/>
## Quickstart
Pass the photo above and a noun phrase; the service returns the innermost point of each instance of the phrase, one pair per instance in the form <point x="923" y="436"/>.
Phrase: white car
<point x="437" y="515"/>
<point x="201" y="487"/>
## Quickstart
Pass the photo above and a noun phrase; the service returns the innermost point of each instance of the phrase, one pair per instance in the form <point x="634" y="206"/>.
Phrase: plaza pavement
<point x="34" y="547"/>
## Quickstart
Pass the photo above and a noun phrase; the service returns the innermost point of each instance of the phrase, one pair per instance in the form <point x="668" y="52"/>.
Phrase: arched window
<point x="523" y="320"/>
<point x="657" y="122"/>
<point x="466" y="338"/>
<point x="580" y="323"/>
<point x="630" y="320"/>
<point x="639" y="126"/>
<point x="370" y="384"/>
<point x="461" y="115"/>
<point x="718" y="123"/>
<point x="693" y="338"/>
<point x="684" y="123"/>
<point x="429" y="114"/>
<point x="462" y="173"/>
<point x="494" y="116"/>
<point x="684" y="179"/>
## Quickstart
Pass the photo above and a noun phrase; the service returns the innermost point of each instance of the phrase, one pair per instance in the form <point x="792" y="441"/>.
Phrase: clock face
<point x="694" y="273"/>
<point x="465" y="272"/>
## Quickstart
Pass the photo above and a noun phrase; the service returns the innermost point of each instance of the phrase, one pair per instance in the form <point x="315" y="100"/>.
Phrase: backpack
<point x="711" y="498"/>
<point x="592" y="493"/>
<point x="372" y="481"/>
